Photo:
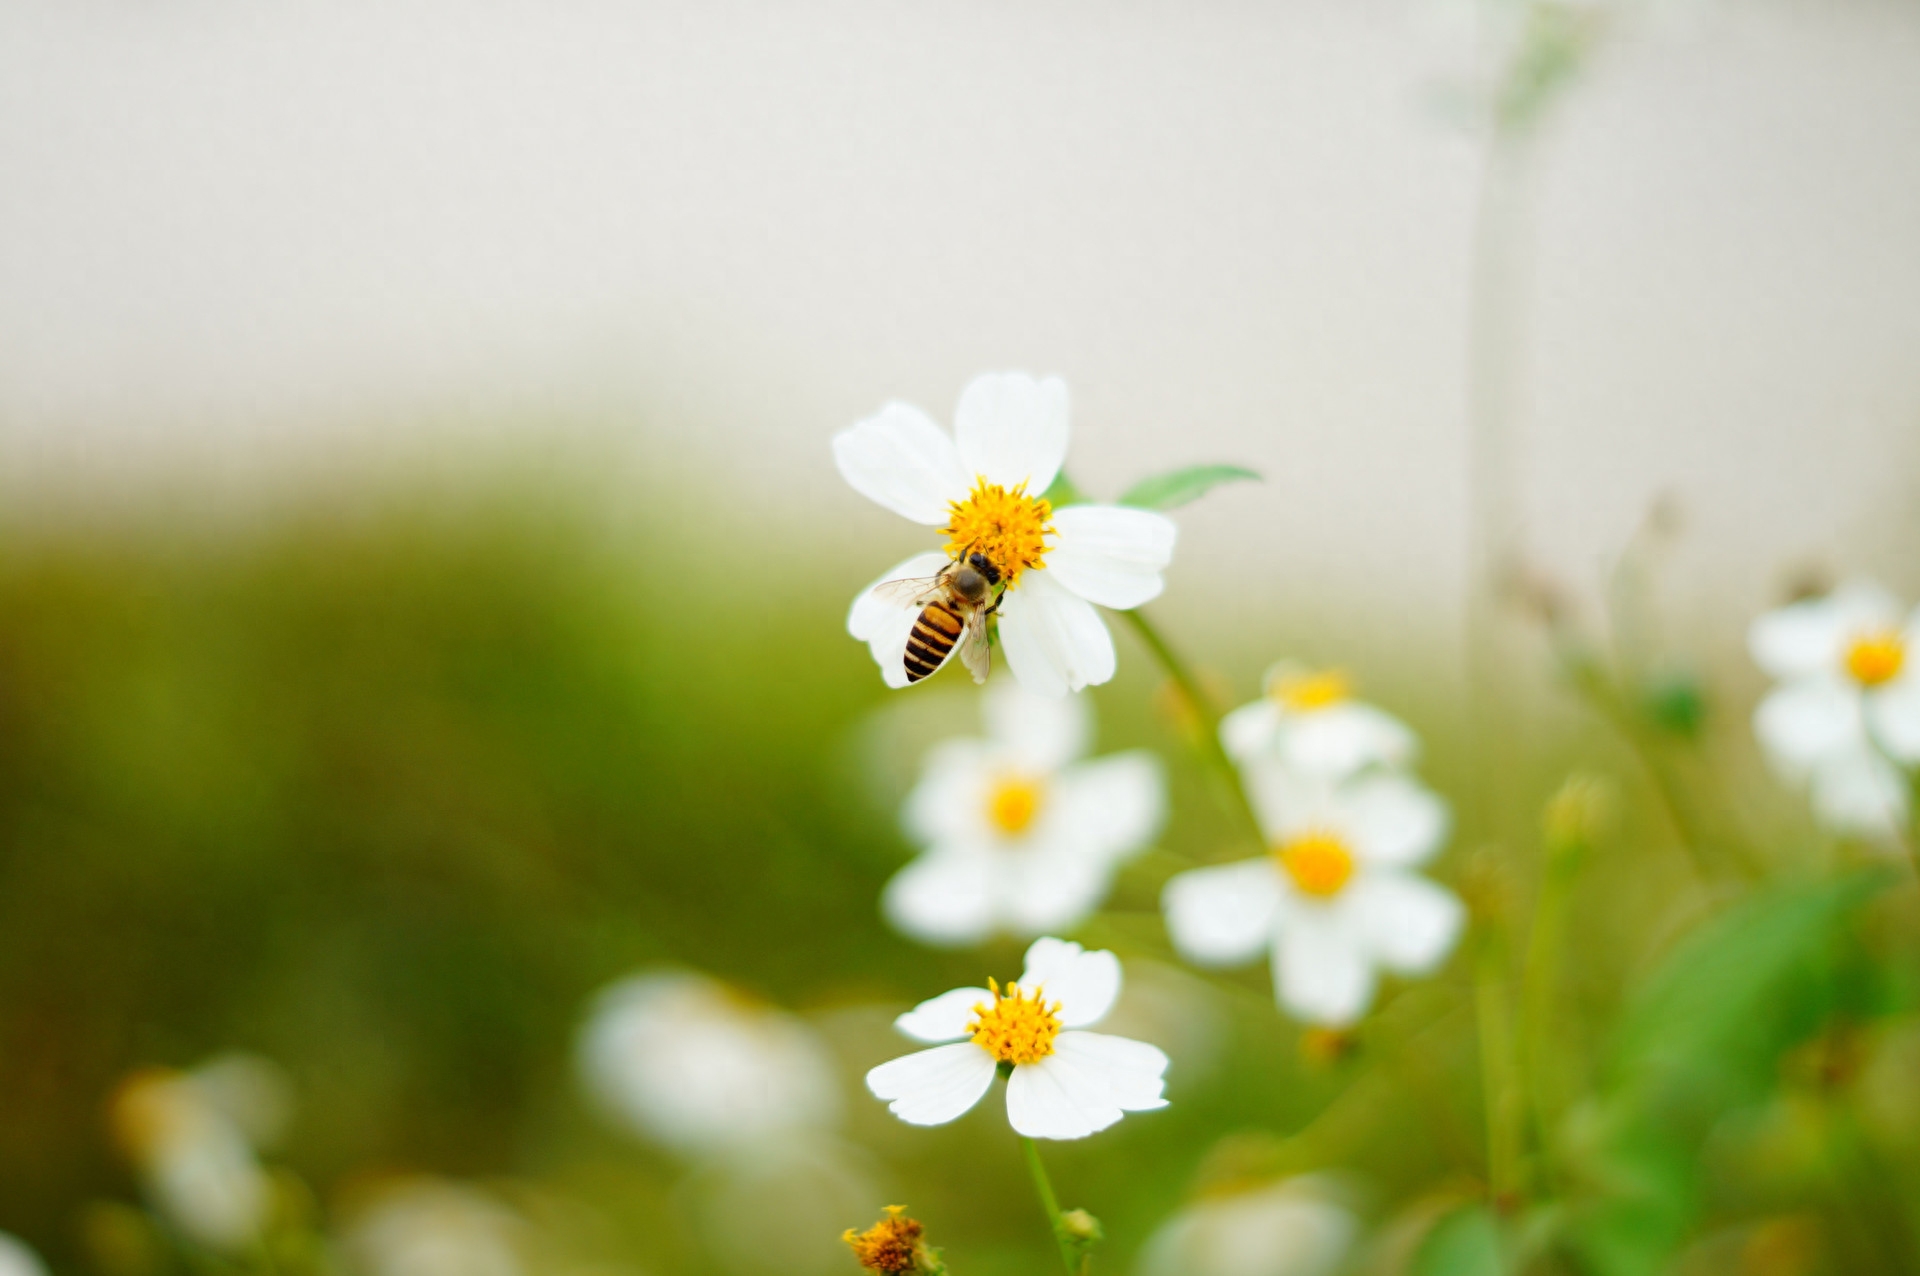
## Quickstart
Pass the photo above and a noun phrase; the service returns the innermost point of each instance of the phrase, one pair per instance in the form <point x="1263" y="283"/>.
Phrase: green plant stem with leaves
<point x="1051" y="1203"/>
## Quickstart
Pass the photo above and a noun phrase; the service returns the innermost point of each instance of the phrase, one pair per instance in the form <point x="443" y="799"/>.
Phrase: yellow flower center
<point x="1013" y="802"/>
<point x="1306" y="692"/>
<point x="1876" y="657"/>
<point x="1018" y="1027"/>
<point x="892" y="1245"/>
<point x="1318" y="862"/>
<point x="1006" y="525"/>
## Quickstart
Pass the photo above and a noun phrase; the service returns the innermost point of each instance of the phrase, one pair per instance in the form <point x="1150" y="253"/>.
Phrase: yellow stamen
<point x="1318" y="862"/>
<point x="892" y="1245"/>
<point x="1017" y="1027"/>
<point x="1006" y="525"/>
<point x="1876" y="657"/>
<point x="1306" y="692"/>
<point x="1014" y="802"/>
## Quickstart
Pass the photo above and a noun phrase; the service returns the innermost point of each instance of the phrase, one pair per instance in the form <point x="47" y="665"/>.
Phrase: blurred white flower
<point x="689" y="1063"/>
<point x="1062" y="1083"/>
<point x="429" y="1227"/>
<point x="1293" y="1228"/>
<point x="1846" y="714"/>
<point x="1020" y="836"/>
<point x="983" y="488"/>
<point x="1309" y="720"/>
<point x="18" y="1259"/>
<point x="191" y="1136"/>
<point x="1336" y="897"/>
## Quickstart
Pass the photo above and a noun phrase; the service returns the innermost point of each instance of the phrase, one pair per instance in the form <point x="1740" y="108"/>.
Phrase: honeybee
<point x="954" y="606"/>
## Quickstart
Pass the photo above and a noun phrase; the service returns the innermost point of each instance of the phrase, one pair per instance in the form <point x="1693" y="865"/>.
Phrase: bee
<point x="954" y="606"/>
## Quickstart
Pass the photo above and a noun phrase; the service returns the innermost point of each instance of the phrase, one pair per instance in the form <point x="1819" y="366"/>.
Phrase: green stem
<point x="1049" y="1201"/>
<point x="1505" y="1112"/>
<point x="1226" y="776"/>
<point x="1539" y="992"/>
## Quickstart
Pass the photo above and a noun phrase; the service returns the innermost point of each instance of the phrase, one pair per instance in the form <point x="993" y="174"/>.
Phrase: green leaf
<point x="1177" y="487"/>
<point x="1464" y="1243"/>
<point x="1063" y="492"/>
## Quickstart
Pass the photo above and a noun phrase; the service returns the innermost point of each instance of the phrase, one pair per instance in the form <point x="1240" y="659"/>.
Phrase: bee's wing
<point x="909" y="591"/>
<point x="975" y="652"/>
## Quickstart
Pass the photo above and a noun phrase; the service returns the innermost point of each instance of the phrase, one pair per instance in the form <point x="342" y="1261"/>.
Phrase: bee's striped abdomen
<point x="933" y="636"/>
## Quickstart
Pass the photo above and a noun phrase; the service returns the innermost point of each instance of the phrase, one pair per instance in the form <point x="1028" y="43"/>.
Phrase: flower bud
<point x="895" y="1245"/>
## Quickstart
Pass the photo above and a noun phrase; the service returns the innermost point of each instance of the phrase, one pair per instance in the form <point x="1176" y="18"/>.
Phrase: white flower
<point x="1062" y="1083"/>
<point x="690" y="1064"/>
<point x="1848" y="705"/>
<point x="1021" y="837"/>
<point x="1335" y="898"/>
<point x="1309" y="720"/>
<point x="191" y="1136"/>
<point x="983" y="489"/>
<point x="17" y="1259"/>
<point x="427" y="1227"/>
<point x="1293" y="1228"/>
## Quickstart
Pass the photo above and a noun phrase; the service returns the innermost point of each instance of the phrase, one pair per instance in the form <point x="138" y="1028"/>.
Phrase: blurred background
<point x="422" y="568"/>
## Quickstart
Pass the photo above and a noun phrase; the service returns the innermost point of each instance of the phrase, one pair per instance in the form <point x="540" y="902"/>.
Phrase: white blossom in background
<point x="1294" y="1228"/>
<point x="690" y="1064"/>
<point x="1845" y="717"/>
<point x="430" y="1227"/>
<point x="1020" y="835"/>
<point x="192" y="1137"/>
<point x="1309" y="720"/>
<point x="983" y="488"/>
<point x="1336" y="898"/>
<point x="18" y="1259"/>
<point x="1062" y="1083"/>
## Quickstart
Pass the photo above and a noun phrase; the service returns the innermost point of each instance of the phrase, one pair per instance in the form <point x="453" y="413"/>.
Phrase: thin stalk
<point x="1050" y="1203"/>
<point x="1505" y="1111"/>
<point x="1226" y="776"/>
<point x="1540" y="985"/>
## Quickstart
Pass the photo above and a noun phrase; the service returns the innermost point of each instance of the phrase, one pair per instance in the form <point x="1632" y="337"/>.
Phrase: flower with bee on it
<point x="984" y="487"/>
<point x="1845" y="716"/>
<point x="1062" y="1082"/>
<point x="1021" y="835"/>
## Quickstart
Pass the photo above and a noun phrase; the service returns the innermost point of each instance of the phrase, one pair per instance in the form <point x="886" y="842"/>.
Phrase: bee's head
<point x="984" y="565"/>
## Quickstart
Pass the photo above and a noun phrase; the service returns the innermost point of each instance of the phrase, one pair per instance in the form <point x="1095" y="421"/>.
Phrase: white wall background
<point x="237" y="237"/>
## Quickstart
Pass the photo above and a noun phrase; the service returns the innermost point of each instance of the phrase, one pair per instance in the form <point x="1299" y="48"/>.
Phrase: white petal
<point x="1039" y="732"/>
<point x="1894" y="713"/>
<point x="1112" y="806"/>
<point x="1343" y="738"/>
<point x="944" y="897"/>
<point x="1050" y="889"/>
<point x="1810" y="637"/>
<point x="883" y="625"/>
<point x="900" y="459"/>
<point x="1859" y="791"/>
<point x="1320" y="968"/>
<point x="944" y="1018"/>
<point x="1410" y="924"/>
<point x="1392" y="819"/>
<point x="1012" y="429"/>
<point x="1804" y="721"/>
<point x="949" y="803"/>
<point x="1084" y="983"/>
<point x="1223" y="915"/>
<point x="1250" y="729"/>
<point x="1285" y="800"/>
<point x="1111" y="555"/>
<point x="933" y="1086"/>
<point x="1055" y="1099"/>
<point x="1055" y="641"/>
<point x="1132" y="1070"/>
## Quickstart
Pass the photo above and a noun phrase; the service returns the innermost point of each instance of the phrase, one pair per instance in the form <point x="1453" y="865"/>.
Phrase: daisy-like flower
<point x="17" y="1259"/>
<point x="1020" y="836"/>
<point x="1298" y="1227"/>
<point x="1309" y="720"/>
<point x="1335" y="899"/>
<point x="1846" y="715"/>
<point x="431" y="1227"/>
<point x="983" y="488"/>
<point x="1062" y="1082"/>
<point x="685" y="1062"/>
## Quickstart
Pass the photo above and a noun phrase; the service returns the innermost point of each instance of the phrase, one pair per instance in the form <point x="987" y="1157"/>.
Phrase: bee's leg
<point x="996" y="605"/>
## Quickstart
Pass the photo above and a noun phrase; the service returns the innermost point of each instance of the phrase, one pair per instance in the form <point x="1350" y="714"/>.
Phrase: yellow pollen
<point x="1318" y="862"/>
<point x="892" y="1245"/>
<point x="1013" y="803"/>
<point x="1005" y="524"/>
<point x="1018" y="1027"/>
<point x="1876" y="657"/>
<point x="1306" y="692"/>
